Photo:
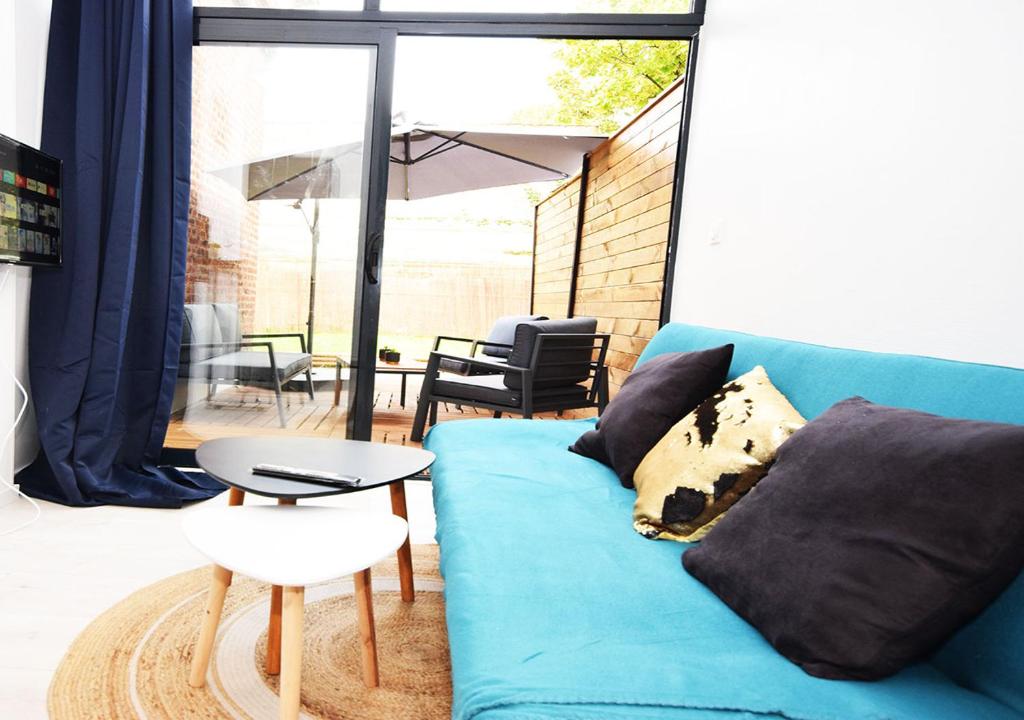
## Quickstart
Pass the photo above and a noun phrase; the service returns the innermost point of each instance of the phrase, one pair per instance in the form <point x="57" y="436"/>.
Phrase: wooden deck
<point x="242" y="411"/>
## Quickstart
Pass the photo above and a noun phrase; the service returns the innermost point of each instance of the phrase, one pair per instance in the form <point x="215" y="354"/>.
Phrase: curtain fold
<point x="105" y="329"/>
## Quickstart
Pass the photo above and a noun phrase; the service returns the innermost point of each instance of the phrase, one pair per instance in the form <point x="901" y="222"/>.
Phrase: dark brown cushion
<point x="877" y="533"/>
<point x="656" y="396"/>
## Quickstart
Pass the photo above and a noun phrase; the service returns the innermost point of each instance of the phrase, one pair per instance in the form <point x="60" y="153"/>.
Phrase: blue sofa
<point x="557" y="609"/>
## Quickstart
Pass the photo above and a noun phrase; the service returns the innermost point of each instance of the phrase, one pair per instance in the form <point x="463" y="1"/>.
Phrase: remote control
<point x="294" y="473"/>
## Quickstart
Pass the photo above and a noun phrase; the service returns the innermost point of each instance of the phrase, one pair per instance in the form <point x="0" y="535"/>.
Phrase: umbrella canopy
<point x="442" y="161"/>
<point x="427" y="161"/>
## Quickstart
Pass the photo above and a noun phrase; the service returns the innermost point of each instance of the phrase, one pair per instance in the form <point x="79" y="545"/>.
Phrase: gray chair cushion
<point x="504" y="332"/>
<point x="200" y="327"/>
<point x="252" y="366"/>
<point x="576" y="371"/>
<point x="227" y="320"/>
<point x="491" y="389"/>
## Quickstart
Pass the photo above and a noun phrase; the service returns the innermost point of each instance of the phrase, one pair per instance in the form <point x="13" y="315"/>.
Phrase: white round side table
<point x="292" y="546"/>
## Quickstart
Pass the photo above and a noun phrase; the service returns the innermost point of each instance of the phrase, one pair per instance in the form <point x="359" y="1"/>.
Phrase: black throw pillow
<point x="656" y="396"/>
<point x="876" y="534"/>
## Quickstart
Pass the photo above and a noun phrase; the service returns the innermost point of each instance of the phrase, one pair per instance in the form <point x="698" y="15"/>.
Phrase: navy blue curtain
<point x="105" y="329"/>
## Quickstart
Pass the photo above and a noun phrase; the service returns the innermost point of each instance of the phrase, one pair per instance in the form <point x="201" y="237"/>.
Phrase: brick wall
<point x="223" y="228"/>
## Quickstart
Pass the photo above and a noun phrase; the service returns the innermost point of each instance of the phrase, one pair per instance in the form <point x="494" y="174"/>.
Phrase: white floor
<point x="73" y="563"/>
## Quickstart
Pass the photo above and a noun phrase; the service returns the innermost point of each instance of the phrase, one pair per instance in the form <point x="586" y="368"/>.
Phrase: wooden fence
<point x="623" y="239"/>
<point x="419" y="299"/>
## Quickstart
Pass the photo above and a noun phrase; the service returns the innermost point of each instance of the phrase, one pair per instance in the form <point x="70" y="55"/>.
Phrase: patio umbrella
<point x="434" y="160"/>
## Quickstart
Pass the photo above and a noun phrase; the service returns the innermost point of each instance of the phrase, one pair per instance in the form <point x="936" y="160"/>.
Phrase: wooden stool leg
<point x="399" y="508"/>
<point x="208" y="633"/>
<point x="291" y="653"/>
<point x="236" y="496"/>
<point x="273" y="663"/>
<point x="367" y="632"/>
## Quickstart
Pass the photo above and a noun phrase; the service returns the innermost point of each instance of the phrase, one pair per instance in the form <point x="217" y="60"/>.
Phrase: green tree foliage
<point x="604" y="82"/>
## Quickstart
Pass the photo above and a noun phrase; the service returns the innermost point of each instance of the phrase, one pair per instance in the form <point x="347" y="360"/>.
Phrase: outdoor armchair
<point x="213" y="349"/>
<point x="553" y="365"/>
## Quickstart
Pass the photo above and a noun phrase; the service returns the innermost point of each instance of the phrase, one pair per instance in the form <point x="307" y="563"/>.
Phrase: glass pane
<point x="285" y="4"/>
<point x="459" y="253"/>
<point x="540" y="6"/>
<point x="277" y="213"/>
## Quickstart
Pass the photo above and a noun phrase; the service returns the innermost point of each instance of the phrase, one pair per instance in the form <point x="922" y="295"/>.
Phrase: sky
<point x="317" y="97"/>
<point x="472" y="80"/>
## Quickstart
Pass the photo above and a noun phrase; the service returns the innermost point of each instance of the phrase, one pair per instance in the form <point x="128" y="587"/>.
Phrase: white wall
<point x="856" y="176"/>
<point x="24" y="27"/>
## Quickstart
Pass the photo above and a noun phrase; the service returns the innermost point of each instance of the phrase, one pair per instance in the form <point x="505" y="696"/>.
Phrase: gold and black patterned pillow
<point x="711" y="458"/>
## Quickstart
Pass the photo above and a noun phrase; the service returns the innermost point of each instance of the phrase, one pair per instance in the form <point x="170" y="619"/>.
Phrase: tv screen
<point x="30" y="217"/>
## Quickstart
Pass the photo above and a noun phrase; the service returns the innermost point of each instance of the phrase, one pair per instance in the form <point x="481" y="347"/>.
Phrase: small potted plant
<point x="389" y="355"/>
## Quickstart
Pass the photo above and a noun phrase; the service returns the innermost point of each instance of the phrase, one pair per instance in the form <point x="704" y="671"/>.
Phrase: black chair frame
<point x="597" y="394"/>
<point x="474" y="347"/>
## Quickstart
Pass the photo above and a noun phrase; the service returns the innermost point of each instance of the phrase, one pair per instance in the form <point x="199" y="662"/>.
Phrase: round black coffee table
<point x="230" y="460"/>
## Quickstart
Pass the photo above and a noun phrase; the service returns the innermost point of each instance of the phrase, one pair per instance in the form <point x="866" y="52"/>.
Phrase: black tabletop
<point x="230" y="460"/>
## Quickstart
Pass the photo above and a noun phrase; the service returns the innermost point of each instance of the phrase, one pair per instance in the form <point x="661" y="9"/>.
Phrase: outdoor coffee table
<point x="382" y="368"/>
<point x="405" y="370"/>
<point x="230" y="460"/>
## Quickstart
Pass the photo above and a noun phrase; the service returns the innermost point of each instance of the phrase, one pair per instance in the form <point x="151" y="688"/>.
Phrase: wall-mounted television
<point x="30" y="218"/>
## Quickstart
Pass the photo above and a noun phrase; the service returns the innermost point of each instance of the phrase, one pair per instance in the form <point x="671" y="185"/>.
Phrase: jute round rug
<point x="133" y="660"/>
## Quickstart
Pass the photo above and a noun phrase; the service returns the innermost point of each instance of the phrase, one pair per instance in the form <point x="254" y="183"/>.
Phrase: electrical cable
<point x="7" y="485"/>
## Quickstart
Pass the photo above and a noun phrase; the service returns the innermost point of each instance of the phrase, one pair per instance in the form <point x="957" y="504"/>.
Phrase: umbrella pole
<point x="408" y="163"/>
<point x="314" y="229"/>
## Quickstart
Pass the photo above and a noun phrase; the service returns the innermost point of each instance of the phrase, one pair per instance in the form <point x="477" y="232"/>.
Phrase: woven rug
<point x="133" y="660"/>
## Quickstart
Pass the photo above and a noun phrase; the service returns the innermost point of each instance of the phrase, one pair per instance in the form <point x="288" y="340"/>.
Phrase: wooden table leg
<point x="367" y="632"/>
<point x="291" y="672"/>
<point x="398" y="507"/>
<point x="273" y="663"/>
<point x="208" y="633"/>
<point x="235" y="496"/>
<point x="337" y="383"/>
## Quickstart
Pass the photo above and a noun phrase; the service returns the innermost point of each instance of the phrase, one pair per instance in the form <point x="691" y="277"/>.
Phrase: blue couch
<point x="557" y="609"/>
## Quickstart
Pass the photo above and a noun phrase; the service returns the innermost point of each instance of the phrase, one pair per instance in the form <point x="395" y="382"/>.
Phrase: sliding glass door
<point x="292" y="126"/>
<point x="283" y="248"/>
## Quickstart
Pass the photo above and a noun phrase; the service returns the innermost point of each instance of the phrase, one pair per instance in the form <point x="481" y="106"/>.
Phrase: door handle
<point x="371" y="264"/>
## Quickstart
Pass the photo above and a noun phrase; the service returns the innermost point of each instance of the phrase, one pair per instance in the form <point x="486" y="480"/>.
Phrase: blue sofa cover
<point x="557" y="609"/>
